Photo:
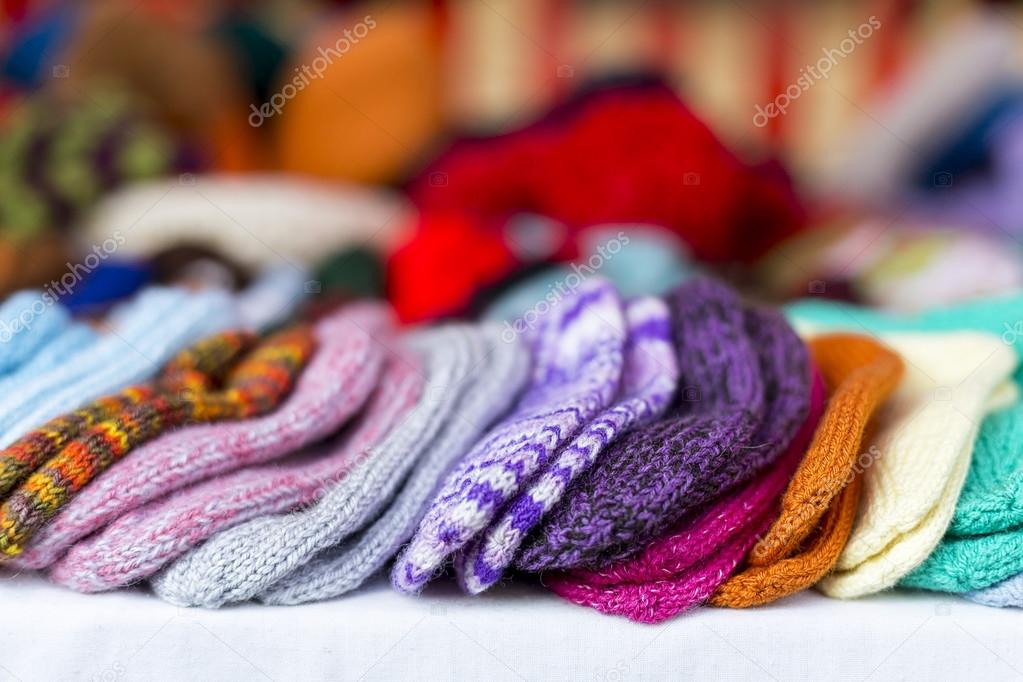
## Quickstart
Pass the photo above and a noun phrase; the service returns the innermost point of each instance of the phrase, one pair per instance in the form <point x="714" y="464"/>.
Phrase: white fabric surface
<point x="512" y="633"/>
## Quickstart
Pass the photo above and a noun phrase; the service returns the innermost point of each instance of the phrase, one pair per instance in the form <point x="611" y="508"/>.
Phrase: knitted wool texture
<point x="921" y="455"/>
<point x="80" y="446"/>
<point x="578" y="349"/>
<point x="648" y="383"/>
<point x="139" y="543"/>
<point x="650" y="479"/>
<point x="821" y="500"/>
<point x="241" y="562"/>
<point x="980" y="547"/>
<point x="28" y="319"/>
<point x="680" y="570"/>
<point x="345" y="567"/>
<point x="338" y="380"/>
<point x="143" y="335"/>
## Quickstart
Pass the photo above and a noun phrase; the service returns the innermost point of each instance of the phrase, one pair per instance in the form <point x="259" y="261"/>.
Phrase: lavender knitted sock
<point x="649" y="479"/>
<point x="578" y="351"/>
<point x="649" y="380"/>
<point x="338" y="380"/>
<point x="345" y="567"/>
<point x="239" y="563"/>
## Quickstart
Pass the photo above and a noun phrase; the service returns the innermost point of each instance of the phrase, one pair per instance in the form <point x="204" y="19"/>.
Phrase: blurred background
<point x="438" y="153"/>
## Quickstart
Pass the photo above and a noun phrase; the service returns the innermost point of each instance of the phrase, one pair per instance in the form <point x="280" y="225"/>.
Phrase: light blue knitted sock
<point x="156" y="325"/>
<point x="28" y="319"/>
<point x="60" y="349"/>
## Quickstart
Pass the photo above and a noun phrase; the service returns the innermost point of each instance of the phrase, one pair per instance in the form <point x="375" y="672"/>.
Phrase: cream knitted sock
<point x="921" y="454"/>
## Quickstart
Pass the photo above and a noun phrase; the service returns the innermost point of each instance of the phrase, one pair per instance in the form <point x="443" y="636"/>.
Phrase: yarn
<point x="345" y="567"/>
<point x="578" y="349"/>
<point x="142" y="541"/>
<point x="649" y="479"/>
<point x="75" y="449"/>
<point x="682" y="569"/>
<point x="242" y="216"/>
<point x="338" y="380"/>
<point x="636" y="146"/>
<point x="28" y="319"/>
<point x="241" y="562"/>
<point x="821" y="501"/>
<point x="141" y="336"/>
<point x="648" y="383"/>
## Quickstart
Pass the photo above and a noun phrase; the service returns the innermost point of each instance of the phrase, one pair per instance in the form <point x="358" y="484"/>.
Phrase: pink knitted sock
<point x="335" y="384"/>
<point x="141" y="542"/>
<point x="682" y="569"/>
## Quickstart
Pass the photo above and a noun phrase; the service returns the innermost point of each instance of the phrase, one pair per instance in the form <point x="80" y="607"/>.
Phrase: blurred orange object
<point x="363" y="100"/>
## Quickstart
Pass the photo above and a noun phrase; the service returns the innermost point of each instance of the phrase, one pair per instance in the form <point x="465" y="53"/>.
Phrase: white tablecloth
<point x="516" y="632"/>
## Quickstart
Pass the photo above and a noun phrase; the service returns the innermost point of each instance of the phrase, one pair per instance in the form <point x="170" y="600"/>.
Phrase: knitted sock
<point x="141" y="542"/>
<point x="159" y="323"/>
<point x="648" y="383"/>
<point x="652" y="478"/>
<point x="28" y="319"/>
<point x="578" y="351"/>
<point x="345" y="567"/>
<point x="822" y="498"/>
<point x="683" y="568"/>
<point x="239" y="563"/>
<point x="338" y="380"/>
<point x="253" y="387"/>
<point x="925" y="443"/>
<point x="72" y="340"/>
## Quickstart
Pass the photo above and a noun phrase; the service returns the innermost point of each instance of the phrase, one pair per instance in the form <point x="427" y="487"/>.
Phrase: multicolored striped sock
<point x="96" y="438"/>
<point x="340" y="377"/>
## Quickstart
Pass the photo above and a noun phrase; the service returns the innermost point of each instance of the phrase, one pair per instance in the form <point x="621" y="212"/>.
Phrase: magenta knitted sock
<point x="682" y="569"/>
<point x="141" y="542"/>
<point x="335" y="384"/>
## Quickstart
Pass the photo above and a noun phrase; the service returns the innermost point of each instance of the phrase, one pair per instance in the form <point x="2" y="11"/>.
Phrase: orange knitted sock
<point x="820" y="503"/>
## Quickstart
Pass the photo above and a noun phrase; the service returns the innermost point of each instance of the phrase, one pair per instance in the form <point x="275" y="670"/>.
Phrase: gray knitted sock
<point x="345" y="567"/>
<point x="239" y="563"/>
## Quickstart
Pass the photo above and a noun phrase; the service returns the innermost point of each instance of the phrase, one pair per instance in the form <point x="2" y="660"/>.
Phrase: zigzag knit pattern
<point x="253" y="387"/>
<point x="649" y="379"/>
<point x="345" y="567"/>
<point x="143" y="335"/>
<point x="650" y="479"/>
<point x="682" y="569"/>
<point x="821" y="500"/>
<point x="141" y="542"/>
<point x="338" y="380"/>
<point x="578" y="351"/>
<point x="241" y="562"/>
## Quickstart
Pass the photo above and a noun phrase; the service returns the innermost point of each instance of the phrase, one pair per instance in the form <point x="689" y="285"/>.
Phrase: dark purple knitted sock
<point x="739" y="366"/>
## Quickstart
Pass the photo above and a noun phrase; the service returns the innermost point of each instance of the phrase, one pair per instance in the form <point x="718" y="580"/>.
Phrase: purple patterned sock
<point x="578" y="356"/>
<point x="649" y="381"/>
<point x="709" y="443"/>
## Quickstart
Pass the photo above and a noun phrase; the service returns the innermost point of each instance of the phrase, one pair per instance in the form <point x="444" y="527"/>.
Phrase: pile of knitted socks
<point x="643" y="456"/>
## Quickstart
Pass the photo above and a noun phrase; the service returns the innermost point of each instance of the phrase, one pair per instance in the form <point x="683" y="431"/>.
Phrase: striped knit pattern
<point x="138" y="544"/>
<point x="649" y="379"/>
<point x="337" y="382"/>
<point x="346" y="566"/>
<point x="254" y="386"/>
<point x="578" y="349"/>
<point x="142" y="335"/>
<point x="241" y="562"/>
<point x="821" y="501"/>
